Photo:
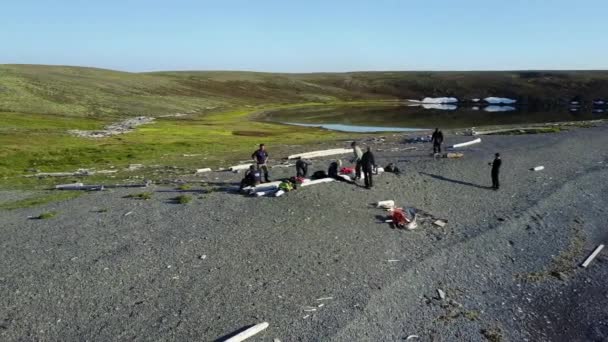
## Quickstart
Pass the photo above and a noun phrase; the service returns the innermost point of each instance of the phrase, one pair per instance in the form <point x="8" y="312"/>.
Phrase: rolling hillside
<point x="77" y="91"/>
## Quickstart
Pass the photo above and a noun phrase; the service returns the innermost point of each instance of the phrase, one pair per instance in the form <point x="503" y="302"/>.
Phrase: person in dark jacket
<point x="437" y="139"/>
<point x="301" y="168"/>
<point x="495" y="171"/>
<point x="260" y="156"/>
<point x="367" y="165"/>
<point x="252" y="178"/>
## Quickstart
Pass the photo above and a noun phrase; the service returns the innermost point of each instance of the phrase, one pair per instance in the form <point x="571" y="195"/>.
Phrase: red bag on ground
<point x="347" y="170"/>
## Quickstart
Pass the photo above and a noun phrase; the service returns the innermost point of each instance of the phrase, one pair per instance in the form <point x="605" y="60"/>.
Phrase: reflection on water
<point x="405" y="117"/>
<point x="357" y="129"/>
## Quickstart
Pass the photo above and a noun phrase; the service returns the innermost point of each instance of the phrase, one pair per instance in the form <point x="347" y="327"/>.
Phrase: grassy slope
<point x="38" y="104"/>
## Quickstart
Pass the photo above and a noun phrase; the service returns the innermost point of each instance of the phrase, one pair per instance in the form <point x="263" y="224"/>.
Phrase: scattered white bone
<point x="411" y="337"/>
<point x="393" y="260"/>
<point x="203" y="170"/>
<point x="593" y="255"/>
<point x="538" y="168"/>
<point x="325" y="298"/>
<point x="129" y="213"/>
<point x="242" y="336"/>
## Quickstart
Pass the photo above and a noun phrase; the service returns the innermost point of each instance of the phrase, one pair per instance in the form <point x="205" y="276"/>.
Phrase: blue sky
<point x="307" y="35"/>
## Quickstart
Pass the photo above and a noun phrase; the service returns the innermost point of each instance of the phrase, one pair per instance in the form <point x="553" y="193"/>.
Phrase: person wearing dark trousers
<point x="260" y="156"/>
<point x="437" y="140"/>
<point x="367" y="164"/>
<point x="357" y="159"/>
<point x="495" y="171"/>
<point x="301" y="168"/>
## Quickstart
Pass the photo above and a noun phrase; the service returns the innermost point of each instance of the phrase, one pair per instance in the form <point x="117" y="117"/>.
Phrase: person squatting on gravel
<point x="260" y="156"/>
<point x="437" y="139"/>
<point x="495" y="171"/>
<point x="302" y="167"/>
<point x="368" y="163"/>
<point x="252" y="177"/>
<point x="358" y="154"/>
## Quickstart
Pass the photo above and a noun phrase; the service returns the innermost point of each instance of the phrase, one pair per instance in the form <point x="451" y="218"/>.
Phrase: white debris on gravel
<point x="122" y="127"/>
<point x="441" y="294"/>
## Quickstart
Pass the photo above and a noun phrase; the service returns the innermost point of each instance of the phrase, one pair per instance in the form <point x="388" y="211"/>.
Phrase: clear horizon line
<point x="307" y="72"/>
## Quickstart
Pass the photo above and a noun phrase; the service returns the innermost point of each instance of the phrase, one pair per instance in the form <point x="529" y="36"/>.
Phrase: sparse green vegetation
<point x="183" y="199"/>
<point x="184" y="187"/>
<point x="47" y="215"/>
<point x="54" y="196"/>
<point x="141" y="196"/>
<point x="39" y="104"/>
<point x="492" y="335"/>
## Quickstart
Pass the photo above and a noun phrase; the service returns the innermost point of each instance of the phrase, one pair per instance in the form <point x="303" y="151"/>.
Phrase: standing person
<point x="437" y="139"/>
<point x="495" y="171"/>
<point x="368" y="163"/>
<point x="358" y="154"/>
<point x="260" y="156"/>
<point x="301" y="167"/>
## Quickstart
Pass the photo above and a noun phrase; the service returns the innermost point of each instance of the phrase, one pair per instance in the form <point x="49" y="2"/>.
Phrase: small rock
<point x="203" y="257"/>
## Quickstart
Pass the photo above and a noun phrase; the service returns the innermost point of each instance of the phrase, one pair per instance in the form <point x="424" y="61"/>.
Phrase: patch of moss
<point x="47" y="215"/>
<point x="492" y="334"/>
<point x="183" y="199"/>
<point x="141" y="196"/>
<point x="54" y="196"/>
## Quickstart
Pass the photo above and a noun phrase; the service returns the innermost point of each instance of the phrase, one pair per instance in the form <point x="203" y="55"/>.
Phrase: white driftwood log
<point x="317" y="181"/>
<point x="593" y="255"/>
<point x="203" y="170"/>
<point x="323" y="153"/>
<point x="388" y="204"/>
<point x="240" y="167"/>
<point x="476" y="141"/>
<point x="242" y="336"/>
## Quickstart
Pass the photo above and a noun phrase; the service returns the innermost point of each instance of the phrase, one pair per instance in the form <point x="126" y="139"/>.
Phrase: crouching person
<point x="253" y="177"/>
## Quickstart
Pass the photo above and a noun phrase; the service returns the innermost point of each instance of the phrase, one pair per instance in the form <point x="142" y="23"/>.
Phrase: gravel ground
<point x="507" y="261"/>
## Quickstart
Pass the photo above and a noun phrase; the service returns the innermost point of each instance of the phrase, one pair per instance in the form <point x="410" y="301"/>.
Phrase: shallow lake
<point x="407" y="118"/>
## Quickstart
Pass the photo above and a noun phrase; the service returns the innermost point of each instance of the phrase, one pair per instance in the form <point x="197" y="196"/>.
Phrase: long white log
<point x="317" y="181"/>
<point x="322" y="153"/>
<point x="71" y="186"/>
<point x="593" y="255"/>
<point x="242" y="336"/>
<point x="476" y="141"/>
<point x="263" y="186"/>
<point x="240" y="167"/>
<point x="203" y="170"/>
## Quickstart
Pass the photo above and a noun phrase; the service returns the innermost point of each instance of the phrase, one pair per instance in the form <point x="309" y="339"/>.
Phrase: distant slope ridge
<point x="79" y="91"/>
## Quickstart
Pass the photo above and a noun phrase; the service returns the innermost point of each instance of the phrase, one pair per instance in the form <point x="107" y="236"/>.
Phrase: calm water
<point x="407" y="118"/>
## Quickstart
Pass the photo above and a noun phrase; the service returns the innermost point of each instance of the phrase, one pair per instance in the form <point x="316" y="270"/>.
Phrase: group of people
<point x="437" y="140"/>
<point x="365" y="163"/>
<point x="257" y="173"/>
